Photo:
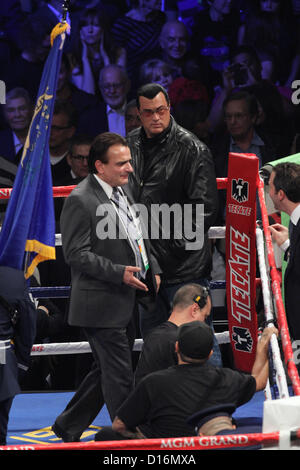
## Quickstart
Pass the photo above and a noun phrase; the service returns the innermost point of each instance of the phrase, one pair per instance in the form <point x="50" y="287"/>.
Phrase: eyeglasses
<point x="150" y="112"/>
<point x="236" y="116"/>
<point x="80" y="157"/>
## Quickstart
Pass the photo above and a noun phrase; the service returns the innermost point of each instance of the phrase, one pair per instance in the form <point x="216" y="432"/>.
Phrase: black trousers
<point x="5" y="407"/>
<point x="109" y="381"/>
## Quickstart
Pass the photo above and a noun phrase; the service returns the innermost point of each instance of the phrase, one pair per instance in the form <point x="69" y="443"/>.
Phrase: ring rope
<point x="267" y="440"/>
<point x="277" y="362"/>
<point x="64" y="191"/>
<point x="79" y="347"/>
<point x="213" y="232"/>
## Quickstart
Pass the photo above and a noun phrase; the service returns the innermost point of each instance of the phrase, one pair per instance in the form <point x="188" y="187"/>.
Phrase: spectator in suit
<point x="241" y="135"/>
<point x="114" y="85"/>
<point x="108" y="114"/>
<point x="284" y="190"/>
<point x="77" y="159"/>
<point x="18" y="113"/>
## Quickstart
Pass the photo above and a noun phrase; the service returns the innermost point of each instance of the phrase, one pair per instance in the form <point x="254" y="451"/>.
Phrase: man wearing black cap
<point x="163" y="400"/>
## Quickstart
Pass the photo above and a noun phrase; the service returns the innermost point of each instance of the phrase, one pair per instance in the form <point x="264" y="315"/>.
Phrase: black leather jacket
<point x="175" y="168"/>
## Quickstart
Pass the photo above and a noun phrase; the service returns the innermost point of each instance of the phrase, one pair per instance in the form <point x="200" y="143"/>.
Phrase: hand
<point x="266" y="337"/>
<point x="228" y="80"/>
<point x="157" y="278"/>
<point x="268" y="332"/>
<point x="130" y="280"/>
<point x="42" y="307"/>
<point x="251" y="80"/>
<point x="279" y="233"/>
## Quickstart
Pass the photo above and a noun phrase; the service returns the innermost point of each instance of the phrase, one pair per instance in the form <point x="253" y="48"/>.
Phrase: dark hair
<point x="184" y="297"/>
<point x="287" y="178"/>
<point x="81" y="139"/>
<point x="150" y="90"/>
<point x="250" y="100"/>
<point x="110" y="47"/>
<point x="63" y="107"/>
<point x="100" y="146"/>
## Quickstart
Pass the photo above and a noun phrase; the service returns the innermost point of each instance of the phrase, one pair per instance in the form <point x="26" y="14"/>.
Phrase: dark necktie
<point x="128" y="222"/>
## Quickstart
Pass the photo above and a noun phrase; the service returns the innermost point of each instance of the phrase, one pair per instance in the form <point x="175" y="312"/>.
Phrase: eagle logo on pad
<point x="242" y="339"/>
<point x="240" y="190"/>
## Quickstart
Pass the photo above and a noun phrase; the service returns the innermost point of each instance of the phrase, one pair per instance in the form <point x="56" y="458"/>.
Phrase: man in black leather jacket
<point x="173" y="169"/>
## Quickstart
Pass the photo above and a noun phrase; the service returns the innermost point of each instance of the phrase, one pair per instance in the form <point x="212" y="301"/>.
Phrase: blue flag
<point x="27" y="236"/>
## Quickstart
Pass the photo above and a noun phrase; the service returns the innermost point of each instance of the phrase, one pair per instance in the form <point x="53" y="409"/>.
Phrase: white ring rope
<point x="213" y="232"/>
<point x="278" y="366"/>
<point x="84" y="347"/>
<point x="44" y="349"/>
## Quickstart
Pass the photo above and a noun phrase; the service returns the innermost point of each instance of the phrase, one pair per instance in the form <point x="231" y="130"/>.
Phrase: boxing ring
<point x="247" y="244"/>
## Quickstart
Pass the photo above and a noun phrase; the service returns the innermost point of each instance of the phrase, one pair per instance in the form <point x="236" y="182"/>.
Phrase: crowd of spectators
<point x="228" y="66"/>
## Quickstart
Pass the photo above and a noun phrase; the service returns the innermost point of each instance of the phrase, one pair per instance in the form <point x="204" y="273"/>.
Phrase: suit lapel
<point x="294" y="241"/>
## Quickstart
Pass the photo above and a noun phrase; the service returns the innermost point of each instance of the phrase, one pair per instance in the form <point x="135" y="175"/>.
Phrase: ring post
<point x="241" y="257"/>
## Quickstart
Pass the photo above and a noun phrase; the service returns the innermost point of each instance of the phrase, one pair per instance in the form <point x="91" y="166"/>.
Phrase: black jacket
<point x="291" y="284"/>
<point x="14" y="290"/>
<point x="175" y="168"/>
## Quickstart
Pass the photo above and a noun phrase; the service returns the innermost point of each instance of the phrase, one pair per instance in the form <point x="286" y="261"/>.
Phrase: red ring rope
<point x="179" y="443"/>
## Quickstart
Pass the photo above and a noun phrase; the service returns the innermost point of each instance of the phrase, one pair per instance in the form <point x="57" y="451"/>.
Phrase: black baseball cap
<point x="195" y="339"/>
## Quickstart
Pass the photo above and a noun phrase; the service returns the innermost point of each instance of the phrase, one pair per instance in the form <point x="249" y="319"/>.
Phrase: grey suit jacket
<point x="99" y="298"/>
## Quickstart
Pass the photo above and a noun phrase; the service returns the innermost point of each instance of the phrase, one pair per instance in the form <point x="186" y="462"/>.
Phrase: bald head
<point x="174" y="39"/>
<point x="191" y="302"/>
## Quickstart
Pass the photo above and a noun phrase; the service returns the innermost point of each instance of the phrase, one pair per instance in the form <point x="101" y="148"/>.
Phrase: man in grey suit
<point x="111" y="272"/>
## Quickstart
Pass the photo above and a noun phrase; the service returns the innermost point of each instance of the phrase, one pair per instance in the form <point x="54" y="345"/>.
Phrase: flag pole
<point x="65" y="10"/>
